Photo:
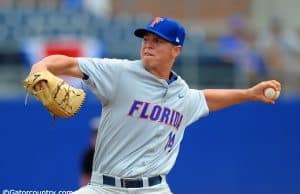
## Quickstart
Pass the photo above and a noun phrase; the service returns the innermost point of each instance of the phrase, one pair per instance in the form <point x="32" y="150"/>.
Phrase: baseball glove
<point x="61" y="99"/>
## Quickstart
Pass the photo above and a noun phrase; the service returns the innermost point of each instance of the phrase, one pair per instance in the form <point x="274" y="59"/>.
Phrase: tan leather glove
<point x="61" y="99"/>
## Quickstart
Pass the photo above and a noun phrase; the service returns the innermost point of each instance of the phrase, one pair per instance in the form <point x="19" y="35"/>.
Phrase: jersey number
<point x="170" y="142"/>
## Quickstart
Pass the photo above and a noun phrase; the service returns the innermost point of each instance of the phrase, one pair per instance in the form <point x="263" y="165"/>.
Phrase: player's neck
<point x="160" y="72"/>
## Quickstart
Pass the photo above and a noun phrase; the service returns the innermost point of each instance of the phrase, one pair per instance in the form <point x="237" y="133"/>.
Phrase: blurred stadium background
<point x="250" y="148"/>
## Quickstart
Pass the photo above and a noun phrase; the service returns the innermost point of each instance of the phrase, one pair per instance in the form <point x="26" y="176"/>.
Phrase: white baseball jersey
<point x="143" y="117"/>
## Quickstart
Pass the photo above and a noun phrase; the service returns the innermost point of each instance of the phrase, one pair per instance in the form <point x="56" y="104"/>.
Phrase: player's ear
<point x="176" y="50"/>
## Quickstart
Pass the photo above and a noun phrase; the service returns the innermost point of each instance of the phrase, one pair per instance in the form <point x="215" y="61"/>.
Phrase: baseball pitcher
<point x="146" y="108"/>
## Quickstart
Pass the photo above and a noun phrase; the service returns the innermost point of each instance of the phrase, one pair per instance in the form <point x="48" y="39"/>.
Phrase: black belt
<point x="131" y="182"/>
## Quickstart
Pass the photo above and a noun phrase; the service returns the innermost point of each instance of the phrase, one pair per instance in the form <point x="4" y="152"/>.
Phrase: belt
<point x="131" y="182"/>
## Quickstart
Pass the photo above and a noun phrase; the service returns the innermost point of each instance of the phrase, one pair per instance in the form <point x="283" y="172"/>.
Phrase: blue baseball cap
<point x="165" y="28"/>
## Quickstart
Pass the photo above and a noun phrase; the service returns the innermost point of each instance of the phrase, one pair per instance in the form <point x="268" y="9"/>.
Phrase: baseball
<point x="271" y="93"/>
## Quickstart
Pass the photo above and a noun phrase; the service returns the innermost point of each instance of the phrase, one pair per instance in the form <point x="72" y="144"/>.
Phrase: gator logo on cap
<point x="156" y="20"/>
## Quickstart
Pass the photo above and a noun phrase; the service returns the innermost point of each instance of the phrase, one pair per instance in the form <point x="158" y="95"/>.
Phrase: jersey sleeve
<point x="101" y="75"/>
<point x="197" y="106"/>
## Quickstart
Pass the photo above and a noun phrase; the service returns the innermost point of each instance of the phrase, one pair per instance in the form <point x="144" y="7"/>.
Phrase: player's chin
<point x="147" y="60"/>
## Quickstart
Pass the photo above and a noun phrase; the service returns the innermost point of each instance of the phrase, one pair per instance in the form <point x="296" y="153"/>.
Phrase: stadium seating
<point x="19" y="24"/>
